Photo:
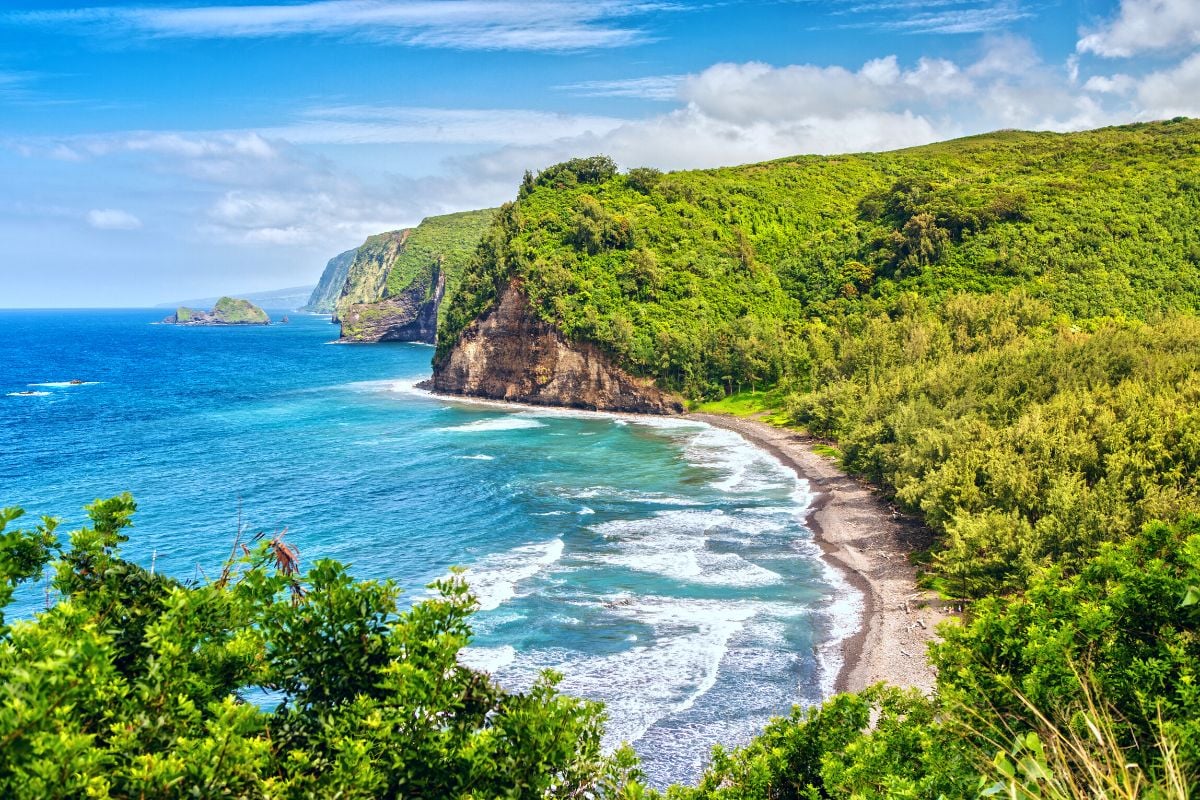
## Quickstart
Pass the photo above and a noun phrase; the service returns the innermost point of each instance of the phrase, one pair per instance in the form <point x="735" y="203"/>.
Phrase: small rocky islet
<point x="227" y="311"/>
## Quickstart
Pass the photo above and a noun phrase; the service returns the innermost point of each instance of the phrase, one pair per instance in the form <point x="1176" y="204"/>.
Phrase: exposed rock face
<point x="410" y="316"/>
<point x="511" y="354"/>
<point x="325" y="296"/>
<point x="366" y="277"/>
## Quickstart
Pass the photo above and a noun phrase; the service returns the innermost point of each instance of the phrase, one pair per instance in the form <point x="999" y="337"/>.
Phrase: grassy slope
<point x="384" y="267"/>
<point x="720" y="266"/>
<point x="236" y="310"/>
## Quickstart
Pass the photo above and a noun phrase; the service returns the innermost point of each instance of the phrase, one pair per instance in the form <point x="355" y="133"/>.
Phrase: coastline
<point x="860" y="536"/>
<point x="863" y="538"/>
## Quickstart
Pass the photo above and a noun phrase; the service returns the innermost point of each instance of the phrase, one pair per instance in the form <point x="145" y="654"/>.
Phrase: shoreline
<point x="862" y="537"/>
<point x="859" y="535"/>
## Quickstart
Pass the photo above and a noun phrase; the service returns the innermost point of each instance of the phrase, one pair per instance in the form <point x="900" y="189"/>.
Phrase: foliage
<point x="265" y="683"/>
<point x="688" y="277"/>
<point x="880" y="743"/>
<point x="389" y="264"/>
<point x="234" y="310"/>
<point x="1025" y="441"/>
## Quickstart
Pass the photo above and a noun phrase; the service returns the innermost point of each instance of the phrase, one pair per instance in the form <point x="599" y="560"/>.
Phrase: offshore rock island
<point x="227" y="311"/>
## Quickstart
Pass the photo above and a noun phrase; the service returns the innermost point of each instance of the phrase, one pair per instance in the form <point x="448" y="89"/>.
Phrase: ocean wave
<point x="628" y="496"/>
<point x="477" y="457"/>
<point x="744" y="468"/>
<point x="510" y="423"/>
<point x="842" y="617"/>
<point x="64" y="384"/>
<point x="494" y="579"/>
<point x="487" y="659"/>
<point x="675" y="544"/>
<point x="646" y="681"/>
<point x="29" y="394"/>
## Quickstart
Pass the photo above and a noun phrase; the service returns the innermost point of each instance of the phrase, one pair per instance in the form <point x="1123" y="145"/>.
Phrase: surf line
<point x="857" y="613"/>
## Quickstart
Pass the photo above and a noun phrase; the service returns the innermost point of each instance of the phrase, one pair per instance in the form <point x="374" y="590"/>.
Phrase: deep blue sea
<point x="662" y="565"/>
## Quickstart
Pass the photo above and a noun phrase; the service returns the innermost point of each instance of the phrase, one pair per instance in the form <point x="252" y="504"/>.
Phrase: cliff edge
<point x="410" y="316"/>
<point x="509" y="353"/>
<point x="396" y="281"/>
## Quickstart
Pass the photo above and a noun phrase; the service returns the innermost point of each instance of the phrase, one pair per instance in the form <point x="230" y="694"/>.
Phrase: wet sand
<point x="863" y="536"/>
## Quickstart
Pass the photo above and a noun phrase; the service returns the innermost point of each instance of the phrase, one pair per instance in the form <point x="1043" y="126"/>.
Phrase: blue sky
<point x="163" y="150"/>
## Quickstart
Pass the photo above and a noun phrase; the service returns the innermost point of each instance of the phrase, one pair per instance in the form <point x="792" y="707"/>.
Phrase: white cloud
<point x="1110" y="84"/>
<point x="655" y="87"/>
<point x="459" y="24"/>
<point x="1171" y="92"/>
<point x="940" y="16"/>
<point x="112" y="219"/>
<point x="408" y="125"/>
<point x="269" y="187"/>
<point x="1143" y="25"/>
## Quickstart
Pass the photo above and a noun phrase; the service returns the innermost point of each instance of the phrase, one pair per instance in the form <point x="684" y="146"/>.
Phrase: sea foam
<point x="509" y="423"/>
<point x="494" y="579"/>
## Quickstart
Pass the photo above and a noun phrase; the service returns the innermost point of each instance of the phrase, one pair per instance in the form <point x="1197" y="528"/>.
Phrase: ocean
<point x="662" y="565"/>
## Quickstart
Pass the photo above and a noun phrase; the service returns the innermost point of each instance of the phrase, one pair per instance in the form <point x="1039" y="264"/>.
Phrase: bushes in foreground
<point x="270" y="683"/>
<point x="264" y="683"/>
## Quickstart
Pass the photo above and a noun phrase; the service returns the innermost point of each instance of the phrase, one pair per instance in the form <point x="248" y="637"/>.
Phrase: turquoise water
<point x="662" y="565"/>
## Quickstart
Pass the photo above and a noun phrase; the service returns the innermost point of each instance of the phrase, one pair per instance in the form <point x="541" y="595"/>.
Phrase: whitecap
<point x="494" y="579"/>
<point x="585" y="511"/>
<point x="29" y="394"/>
<point x="64" y="384"/>
<point x="646" y="681"/>
<point x="511" y="423"/>
<point x="674" y="544"/>
<point x="487" y="659"/>
<point x="478" y="457"/>
<point x="743" y="467"/>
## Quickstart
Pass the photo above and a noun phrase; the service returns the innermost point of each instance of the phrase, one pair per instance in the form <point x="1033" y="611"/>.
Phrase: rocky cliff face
<point x="410" y="316"/>
<point x="366" y="277"/>
<point x="509" y="353"/>
<point x="325" y="296"/>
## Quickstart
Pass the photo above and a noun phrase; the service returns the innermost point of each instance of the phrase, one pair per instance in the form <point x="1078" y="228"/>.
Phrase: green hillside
<point x="389" y="264"/>
<point x="1000" y="333"/>
<point x="689" y="277"/>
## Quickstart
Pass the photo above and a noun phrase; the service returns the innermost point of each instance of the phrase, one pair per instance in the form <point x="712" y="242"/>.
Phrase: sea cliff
<point x="509" y="353"/>
<point x="324" y="297"/>
<point x="396" y="282"/>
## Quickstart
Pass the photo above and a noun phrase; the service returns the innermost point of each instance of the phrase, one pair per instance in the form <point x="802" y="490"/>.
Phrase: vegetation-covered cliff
<point x="702" y="280"/>
<point x="396" y="281"/>
<point x="1001" y="333"/>
<point x="329" y="289"/>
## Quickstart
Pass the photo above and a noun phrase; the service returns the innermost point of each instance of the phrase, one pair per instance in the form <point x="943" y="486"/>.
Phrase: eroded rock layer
<point x="509" y="353"/>
<point x="410" y="316"/>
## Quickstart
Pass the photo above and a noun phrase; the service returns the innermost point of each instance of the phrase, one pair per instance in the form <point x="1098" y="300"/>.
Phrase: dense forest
<point x="1000" y="332"/>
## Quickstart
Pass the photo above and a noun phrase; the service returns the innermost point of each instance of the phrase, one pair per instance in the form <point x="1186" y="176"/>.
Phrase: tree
<point x="136" y="685"/>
